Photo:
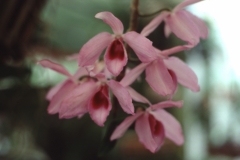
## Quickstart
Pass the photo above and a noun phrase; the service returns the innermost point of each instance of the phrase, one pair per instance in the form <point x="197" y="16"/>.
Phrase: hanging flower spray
<point x="99" y="86"/>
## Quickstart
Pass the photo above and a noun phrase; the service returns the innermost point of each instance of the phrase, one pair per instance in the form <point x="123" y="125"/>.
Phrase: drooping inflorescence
<point x="94" y="85"/>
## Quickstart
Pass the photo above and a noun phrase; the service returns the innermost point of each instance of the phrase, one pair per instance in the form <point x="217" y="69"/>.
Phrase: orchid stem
<point x="134" y="16"/>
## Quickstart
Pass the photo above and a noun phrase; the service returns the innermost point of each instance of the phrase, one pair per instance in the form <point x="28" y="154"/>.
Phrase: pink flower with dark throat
<point x="153" y="125"/>
<point x="163" y="73"/>
<point x="93" y="97"/>
<point x="182" y="23"/>
<point x="116" y="55"/>
<point x="63" y="90"/>
<point x="81" y="93"/>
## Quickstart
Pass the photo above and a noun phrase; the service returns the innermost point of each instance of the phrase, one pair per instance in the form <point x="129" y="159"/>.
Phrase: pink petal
<point x="54" y="90"/>
<point x="54" y="66"/>
<point x="112" y="21"/>
<point x="183" y="27"/>
<point x="100" y="106"/>
<point x="167" y="30"/>
<point x="141" y="46"/>
<point x="203" y="29"/>
<point x="122" y="128"/>
<point x="90" y="51"/>
<point x="184" y="4"/>
<point x="154" y="23"/>
<point x="136" y="96"/>
<point x="80" y="72"/>
<point x="95" y="69"/>
<point x="167" y="104"/>
<point x="76" y="101"/>
<point x="133" y="74"/>
<point x="185" y="75"/>
<point x="159" y="78"/>
<point x="122" y="95"/>
<point x="116" y="57"/>
<point x="173" y="50"/>
<point x="80" y="115"/>
<point x="143" y="130"/>
<point x="172" y="127"/>
<point x="157" y="131"/>
<point x="175" y="83"/>
<point x="56" y="100"/>
<point x="73" y="57"/>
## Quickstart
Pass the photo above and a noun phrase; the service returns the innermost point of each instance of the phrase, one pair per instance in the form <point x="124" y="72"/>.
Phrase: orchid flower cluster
<point x="94" y="85"/>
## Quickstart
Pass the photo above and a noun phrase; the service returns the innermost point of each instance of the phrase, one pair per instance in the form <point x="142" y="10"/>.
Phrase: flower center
<point x="100" y="98"/>
<point x="155" y="126"/>
<point x="116" y="50"/>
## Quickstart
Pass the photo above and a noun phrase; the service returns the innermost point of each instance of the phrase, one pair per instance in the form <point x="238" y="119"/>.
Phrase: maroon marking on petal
<point x="116" y="50"/>
<point x="100" y="99"/>
<point x="174" y="78"/>
<point x="156" y="126"/>
<point x="171" y="73"/>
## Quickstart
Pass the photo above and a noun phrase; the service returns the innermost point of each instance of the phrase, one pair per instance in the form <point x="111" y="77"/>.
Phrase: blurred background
<point x="31" y="30"/>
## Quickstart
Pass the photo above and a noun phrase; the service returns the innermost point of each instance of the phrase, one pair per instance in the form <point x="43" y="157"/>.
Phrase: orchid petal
<point x="175" y="82"/>
<point x="141" y="46"/>
<point x="90" y="51"/>
<point x="95" y="69"/>
<point x="203" y="29"/>
<point x="54" y="66"/>
<point x="76" y="102"/>
<point x="185" y="75"/>
<point x="56" y="100"/>
<point x="112" y="21"/>
<point x="143" y="130"/>
<point x="167" y="30"/>
<point x="115" y="57"/>
<point x="157" y="131"/>
<point x="167" y="104"/>
<point x="172" y="127"/>
<point x="137" y="97"/>
<point x="122" y="128"/>
<point x="154" y="23"/>
<point x="183" y="27"/>
<point x="74" y="56"/>
<point x="122" y="95"/>
<point x="184" y="4"/>
<point x="80" y="72"/>
<point x="80" y="115"/>
<point x="159" y="78"/>
<point x="54" y="90"/>
<point x="100" y="106"/>
<point x="133" y="74"/>
<point x="173" y="50"/>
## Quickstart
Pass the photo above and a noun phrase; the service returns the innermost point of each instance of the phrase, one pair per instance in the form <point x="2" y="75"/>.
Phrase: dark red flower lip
<point x="116" y="50"/>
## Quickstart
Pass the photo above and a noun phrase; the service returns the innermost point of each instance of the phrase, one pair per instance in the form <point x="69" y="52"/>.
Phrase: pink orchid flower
<point x="163" y="73"/>
<point x="153" y="125"/>
<point x="182" y="23"/>
<point x="76" y="97"/>
<point x="61" y="91"/>
<point x="115" y="56"/>
<point x="184" y="74"/>
<point x="100" y="105"/>
<point x="98" y="102"/>
<point x="71" y="97"/>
